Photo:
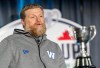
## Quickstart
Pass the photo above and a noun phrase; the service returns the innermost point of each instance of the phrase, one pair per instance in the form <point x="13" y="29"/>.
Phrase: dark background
<point x="84" y="12"/>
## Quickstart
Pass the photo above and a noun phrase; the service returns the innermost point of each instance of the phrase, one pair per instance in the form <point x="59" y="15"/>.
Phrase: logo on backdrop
<point x="66" y="36"/>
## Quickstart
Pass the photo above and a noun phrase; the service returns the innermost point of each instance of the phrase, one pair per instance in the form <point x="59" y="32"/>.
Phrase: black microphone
<point x="38" y="41"/>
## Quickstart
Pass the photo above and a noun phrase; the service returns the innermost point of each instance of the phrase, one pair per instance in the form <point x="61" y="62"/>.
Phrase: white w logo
<point x="51" y="54"/>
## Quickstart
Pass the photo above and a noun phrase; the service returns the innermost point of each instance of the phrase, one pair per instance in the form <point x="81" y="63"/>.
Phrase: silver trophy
<point x="83" y="36"/>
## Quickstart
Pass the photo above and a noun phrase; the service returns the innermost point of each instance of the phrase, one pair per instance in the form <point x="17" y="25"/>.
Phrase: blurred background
<point x="84" y="12"/>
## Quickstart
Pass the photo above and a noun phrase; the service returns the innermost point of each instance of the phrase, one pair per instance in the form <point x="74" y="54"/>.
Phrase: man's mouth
<point x="38" y="24"/>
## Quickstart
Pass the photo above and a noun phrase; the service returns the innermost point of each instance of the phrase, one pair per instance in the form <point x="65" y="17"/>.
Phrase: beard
<point x="36" y="30"/>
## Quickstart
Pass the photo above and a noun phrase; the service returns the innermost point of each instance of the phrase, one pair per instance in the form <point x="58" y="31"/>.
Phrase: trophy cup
<point x="83" y="36"/>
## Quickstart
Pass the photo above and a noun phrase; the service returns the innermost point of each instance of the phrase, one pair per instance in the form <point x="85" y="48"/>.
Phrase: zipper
<point x="38" y="43"/>
<point x="40" y="56"/>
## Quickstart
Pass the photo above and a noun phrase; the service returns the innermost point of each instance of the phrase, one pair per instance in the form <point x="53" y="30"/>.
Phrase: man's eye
<point x="41" y="16"/>
<point x="32" y="17"/>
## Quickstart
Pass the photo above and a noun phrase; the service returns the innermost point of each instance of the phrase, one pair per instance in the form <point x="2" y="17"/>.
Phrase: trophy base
<point x="84" y="62"/>
<point x="85" y="67"/>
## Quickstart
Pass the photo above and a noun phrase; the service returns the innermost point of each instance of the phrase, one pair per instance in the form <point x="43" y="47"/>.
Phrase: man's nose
<point x="38" y="19"/>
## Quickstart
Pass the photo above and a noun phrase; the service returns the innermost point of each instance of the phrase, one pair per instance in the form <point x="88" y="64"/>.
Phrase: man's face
<point x="34" y="22"/>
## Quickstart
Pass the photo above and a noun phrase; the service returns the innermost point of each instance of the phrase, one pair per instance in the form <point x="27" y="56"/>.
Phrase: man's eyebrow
<point x="31" y="15"/>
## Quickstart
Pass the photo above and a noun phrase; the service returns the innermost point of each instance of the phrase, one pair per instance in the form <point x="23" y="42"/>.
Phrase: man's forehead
<point x="34" y="10"/>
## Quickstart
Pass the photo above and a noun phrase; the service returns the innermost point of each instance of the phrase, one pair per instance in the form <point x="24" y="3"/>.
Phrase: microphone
<point x="38" y="41"/>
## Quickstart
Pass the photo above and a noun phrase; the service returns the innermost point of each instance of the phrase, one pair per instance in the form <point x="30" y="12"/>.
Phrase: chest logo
<point x="51" y="54"/>
<point x="25" y="51"/>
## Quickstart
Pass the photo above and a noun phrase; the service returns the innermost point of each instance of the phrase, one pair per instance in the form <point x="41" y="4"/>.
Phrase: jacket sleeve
<point x="61" y="59"/>
<point x="5" y="54"/>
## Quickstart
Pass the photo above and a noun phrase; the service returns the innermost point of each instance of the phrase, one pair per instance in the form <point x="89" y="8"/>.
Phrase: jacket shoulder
<point x="53" y="45"/>
<point x="52" y="42"/>
<point x="11" y="37"/>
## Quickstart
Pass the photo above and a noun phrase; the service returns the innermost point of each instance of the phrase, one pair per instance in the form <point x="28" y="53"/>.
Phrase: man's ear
<point x="22" y="21"/>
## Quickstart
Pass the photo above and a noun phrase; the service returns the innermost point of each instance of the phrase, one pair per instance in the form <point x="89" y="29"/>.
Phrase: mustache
<point x="39" y="23"/>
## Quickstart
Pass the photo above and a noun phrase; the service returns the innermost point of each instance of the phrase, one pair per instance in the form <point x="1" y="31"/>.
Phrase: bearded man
<point x="29" y="48"/>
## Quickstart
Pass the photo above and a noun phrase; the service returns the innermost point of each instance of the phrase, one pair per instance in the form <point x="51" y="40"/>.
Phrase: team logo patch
<point x="25" y="51"/>
<point x="51" y="54"/>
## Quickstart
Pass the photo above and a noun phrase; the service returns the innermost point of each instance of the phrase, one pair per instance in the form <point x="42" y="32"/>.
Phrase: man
<point x="29" y="48"/>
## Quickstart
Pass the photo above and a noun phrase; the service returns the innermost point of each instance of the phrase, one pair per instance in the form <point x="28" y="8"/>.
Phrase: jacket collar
<point x="19" y="31"/>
